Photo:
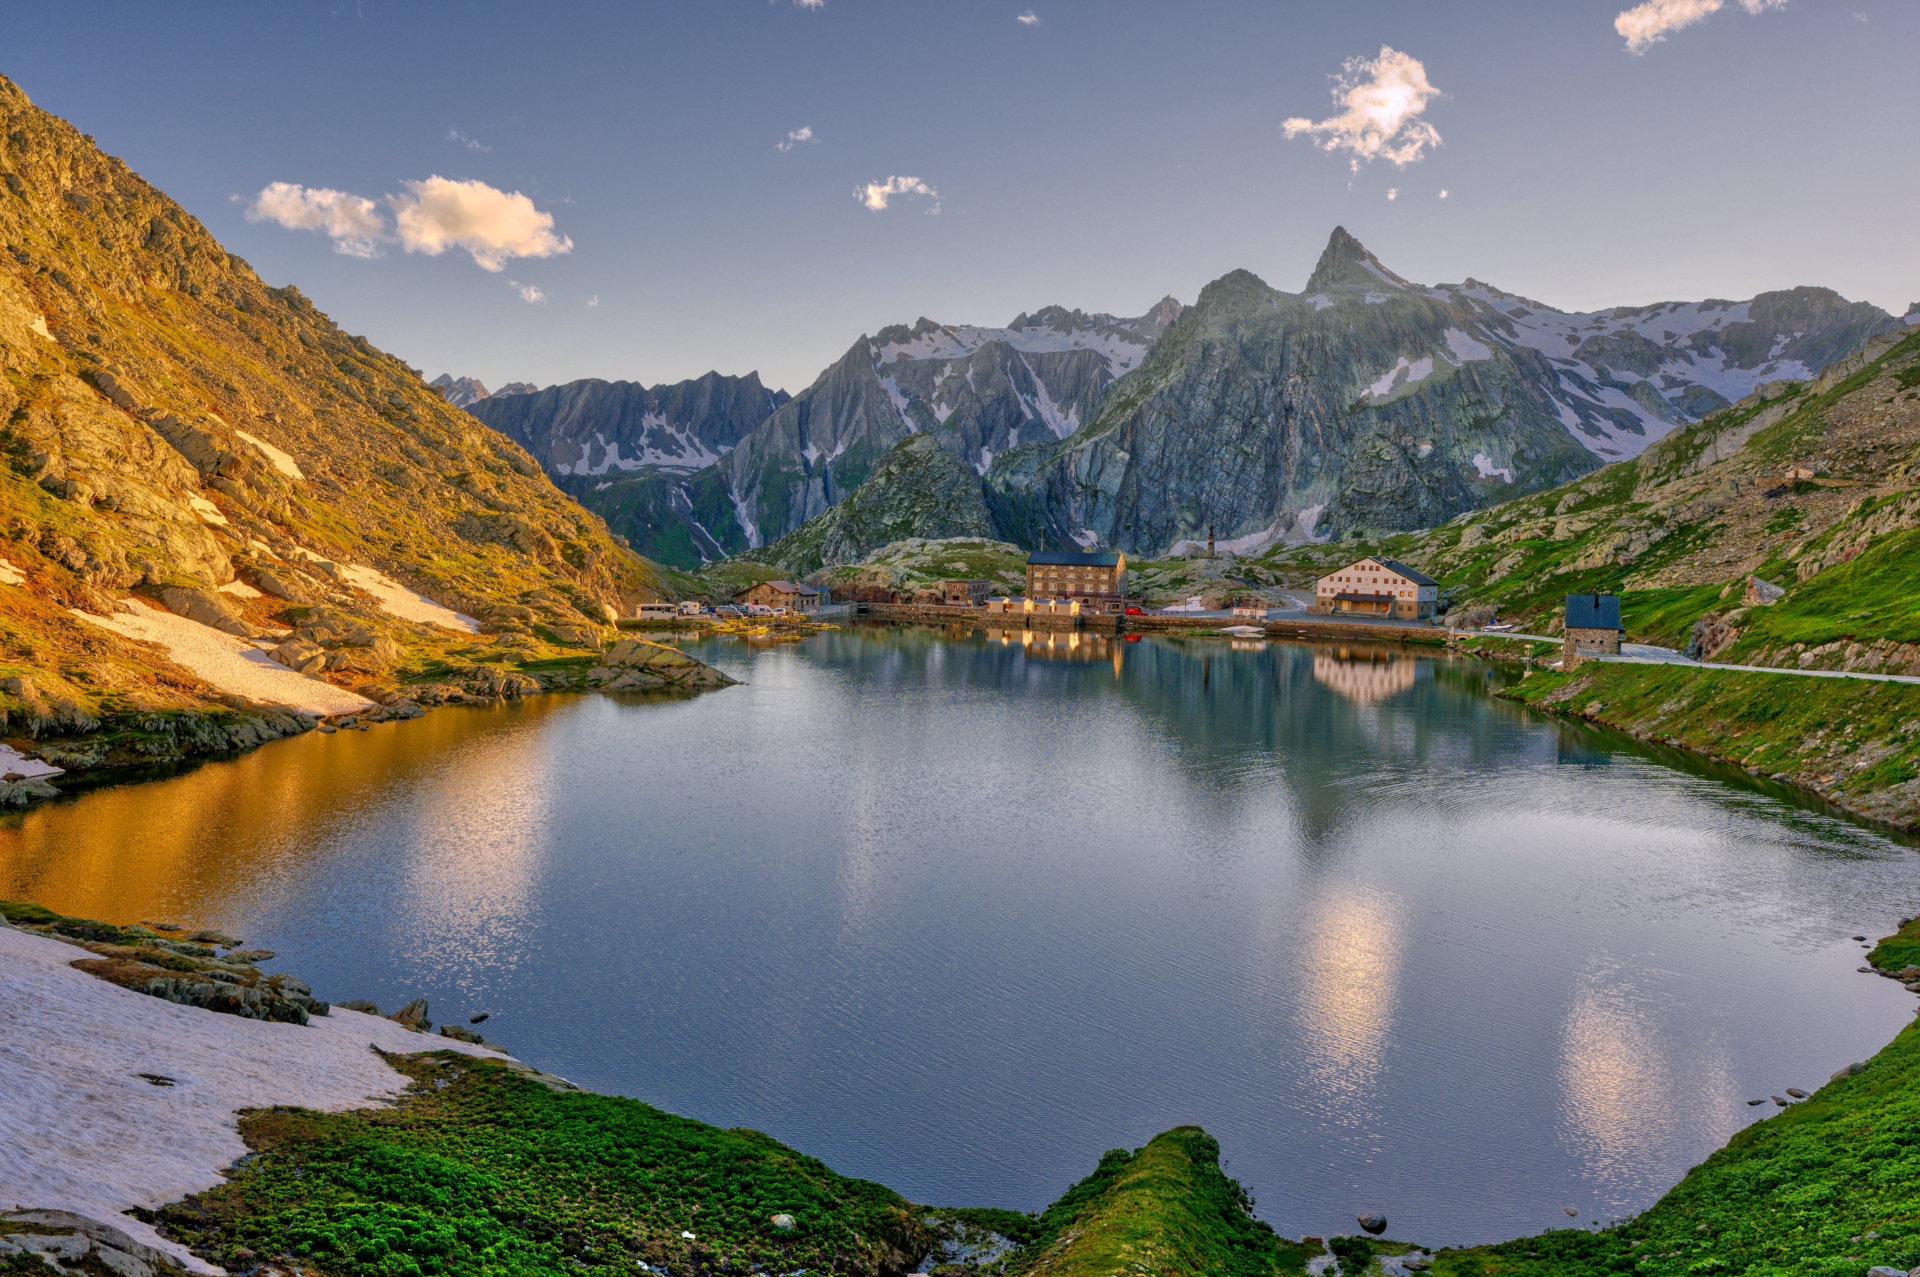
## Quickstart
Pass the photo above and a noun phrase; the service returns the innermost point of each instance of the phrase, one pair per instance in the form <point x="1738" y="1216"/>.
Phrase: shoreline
<point x="176" y="1125"/>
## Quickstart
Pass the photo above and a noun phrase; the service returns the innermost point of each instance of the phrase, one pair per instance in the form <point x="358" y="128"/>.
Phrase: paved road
<point x="1648" y="654"/>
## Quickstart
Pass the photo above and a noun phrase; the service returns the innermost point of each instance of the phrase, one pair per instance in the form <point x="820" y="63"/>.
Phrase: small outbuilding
<point x="1593" y="628"/>
<point x="964" y="593"/>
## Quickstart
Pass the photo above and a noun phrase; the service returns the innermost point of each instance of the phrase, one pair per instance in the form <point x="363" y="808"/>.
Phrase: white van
<point x="656" y="612"/>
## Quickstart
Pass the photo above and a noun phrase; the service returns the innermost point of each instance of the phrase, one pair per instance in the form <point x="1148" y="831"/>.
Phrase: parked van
<point x="656" y="612"/>
<point x="691" y="607"/>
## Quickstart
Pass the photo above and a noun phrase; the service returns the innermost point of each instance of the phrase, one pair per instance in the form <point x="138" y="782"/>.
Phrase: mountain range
<point x="1363" y="402"/>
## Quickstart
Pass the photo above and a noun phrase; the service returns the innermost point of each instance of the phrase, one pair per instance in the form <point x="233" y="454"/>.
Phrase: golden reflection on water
<point x="230" y="830"/>
<point x="1349" y="988"/>
<point x="1624" y="1089"/>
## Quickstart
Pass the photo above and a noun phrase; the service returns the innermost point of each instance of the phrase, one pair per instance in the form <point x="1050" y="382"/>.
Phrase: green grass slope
<point x="1166" y="1209"/>
<point x="480" y="1172"/>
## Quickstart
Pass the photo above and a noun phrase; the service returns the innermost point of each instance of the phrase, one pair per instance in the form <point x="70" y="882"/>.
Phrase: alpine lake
<point x="958" y="910"/>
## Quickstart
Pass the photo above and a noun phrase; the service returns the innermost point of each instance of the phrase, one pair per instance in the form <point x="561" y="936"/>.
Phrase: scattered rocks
<point x="359" y="1004"/>
<point x="65" y="1242"/>
<point x="1373" y="1223"/>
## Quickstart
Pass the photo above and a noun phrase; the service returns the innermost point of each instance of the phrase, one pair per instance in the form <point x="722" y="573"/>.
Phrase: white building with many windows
<point x="1377" y="587"/>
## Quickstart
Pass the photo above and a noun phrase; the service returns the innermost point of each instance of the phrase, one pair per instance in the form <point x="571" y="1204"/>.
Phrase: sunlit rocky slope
<point x="184" y="446"/>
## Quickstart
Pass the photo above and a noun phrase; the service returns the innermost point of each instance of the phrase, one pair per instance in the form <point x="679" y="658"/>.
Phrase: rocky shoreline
<point x="121" y="747"/>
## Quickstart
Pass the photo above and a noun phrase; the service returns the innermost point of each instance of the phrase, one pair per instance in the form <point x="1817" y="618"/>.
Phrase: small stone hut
<point x="1593" y="628"/>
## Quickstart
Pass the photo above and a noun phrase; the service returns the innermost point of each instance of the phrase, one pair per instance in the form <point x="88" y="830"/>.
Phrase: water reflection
<point x="958" y="910"/>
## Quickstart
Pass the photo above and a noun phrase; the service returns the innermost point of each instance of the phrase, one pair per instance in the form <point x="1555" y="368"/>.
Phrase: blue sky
<point x="1105" y="155"/>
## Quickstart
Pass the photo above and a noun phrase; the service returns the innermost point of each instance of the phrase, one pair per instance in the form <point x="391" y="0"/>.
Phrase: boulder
<point x="413" y="1016"/>
<point x="208" y="608"/>
<point x="1374" y="1223"/>
<point x="300" y="655"/>
<point x="282" y="585"/>
<point x="1761" y="593"/>
<point x="784" y="1222"/>
<point x="460" y="1033"/>
<point x="1849" y="1071"/>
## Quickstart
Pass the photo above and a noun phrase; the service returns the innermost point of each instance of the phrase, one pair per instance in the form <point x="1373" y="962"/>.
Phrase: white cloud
<point x="876" y="195"/>
<point x="1646" y="24"/>
<point x="529" y="293"/>
<point x="593" y="301"/>
<point x="352" y="223"/>
<point x="1393" y="193"/>
<point x="471" y="143"/>
<point x="1443" y="193"/>
<point x="805" y="4"/>
<point x="795" y="137"/>
<point x="489" y="223"/>
<point x="1380" y="101"/>
<point x="1028" y="19"/>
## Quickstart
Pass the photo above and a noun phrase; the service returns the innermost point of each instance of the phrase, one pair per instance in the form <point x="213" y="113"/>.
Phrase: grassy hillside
<point x="1677" y="530"/>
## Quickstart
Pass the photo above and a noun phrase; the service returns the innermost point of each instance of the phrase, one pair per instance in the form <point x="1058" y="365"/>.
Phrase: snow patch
<point x="986" y="459"/>
<point x="396" y="599"/>
<point x="208" y="511"/>
<point x="280" y="460"/>
<point x="900" y="402"/>
<point x="11" y="575"/>
<point x="1414" y="370"/>
<point x="14" y="763"/>
<point x="1484" y="464"/>
<point x="228" y="663"/>
<point x="751" y="532"/>
<point x="1320" y="301"/>
<point x="1465" y="349"/>
<point x="85" y="1133"/>
<point x="1085" y="538"/>
<point x="39" y="326"/>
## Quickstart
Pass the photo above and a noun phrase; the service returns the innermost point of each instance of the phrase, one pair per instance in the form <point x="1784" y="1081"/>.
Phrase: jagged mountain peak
<point x="1346" y="263"/>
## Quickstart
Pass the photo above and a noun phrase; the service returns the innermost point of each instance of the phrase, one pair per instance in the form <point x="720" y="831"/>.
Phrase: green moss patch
<point x="479" y="1171"/>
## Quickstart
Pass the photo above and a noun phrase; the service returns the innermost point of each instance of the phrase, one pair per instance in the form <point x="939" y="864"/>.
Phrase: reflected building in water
<point x="1365" y="675"/>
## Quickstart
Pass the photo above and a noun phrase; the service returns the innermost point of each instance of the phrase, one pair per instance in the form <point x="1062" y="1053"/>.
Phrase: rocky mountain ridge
<point x="1369" y="402"/>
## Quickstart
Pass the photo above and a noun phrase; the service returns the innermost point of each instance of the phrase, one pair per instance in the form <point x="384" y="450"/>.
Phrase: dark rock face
<point x="919" y="489"/>
<point x="598" y="428"/>
<point x="1369" y="402"/>
<point x="978" y="391"/>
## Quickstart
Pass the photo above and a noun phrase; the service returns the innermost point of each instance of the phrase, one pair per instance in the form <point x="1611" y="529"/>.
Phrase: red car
<point x="1134" y="611"/>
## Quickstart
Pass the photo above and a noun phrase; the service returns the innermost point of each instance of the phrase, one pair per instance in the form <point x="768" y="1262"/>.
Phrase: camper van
<point x="656" y="612"/>
<point x="690" y="607"/>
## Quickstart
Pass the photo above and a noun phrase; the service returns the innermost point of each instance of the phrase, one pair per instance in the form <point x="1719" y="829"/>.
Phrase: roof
<point x="1073" y="559"/>
<point x="1593" y="612"/>
<point x="1418" y="578"/>
<point x="784" y="587"/>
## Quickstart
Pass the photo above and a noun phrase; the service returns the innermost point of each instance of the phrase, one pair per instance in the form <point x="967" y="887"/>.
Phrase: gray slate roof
<point x="1593" y="612"/>
<point x="1418" y="578"/>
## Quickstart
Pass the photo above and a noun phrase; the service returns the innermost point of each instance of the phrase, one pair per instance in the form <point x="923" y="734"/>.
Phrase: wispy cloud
<point x="529" y="293"/>
<point x="471" y="143"/>
<point x="491" y="224"/>
<point x="352" y="223"/>
<point x="1028" y="19"/>
<point x="1379" y="103"/>
<point x="795" y="137"/>
<point x="877" y="195"/>
<point x="805" y="4"/>
<point x="593" y="301"/>
<point x="1393" y="193"/>
<point x="1645" y="25"/>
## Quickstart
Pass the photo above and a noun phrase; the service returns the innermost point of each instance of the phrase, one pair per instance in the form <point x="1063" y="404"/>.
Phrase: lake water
<point x="958" y="912"/>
